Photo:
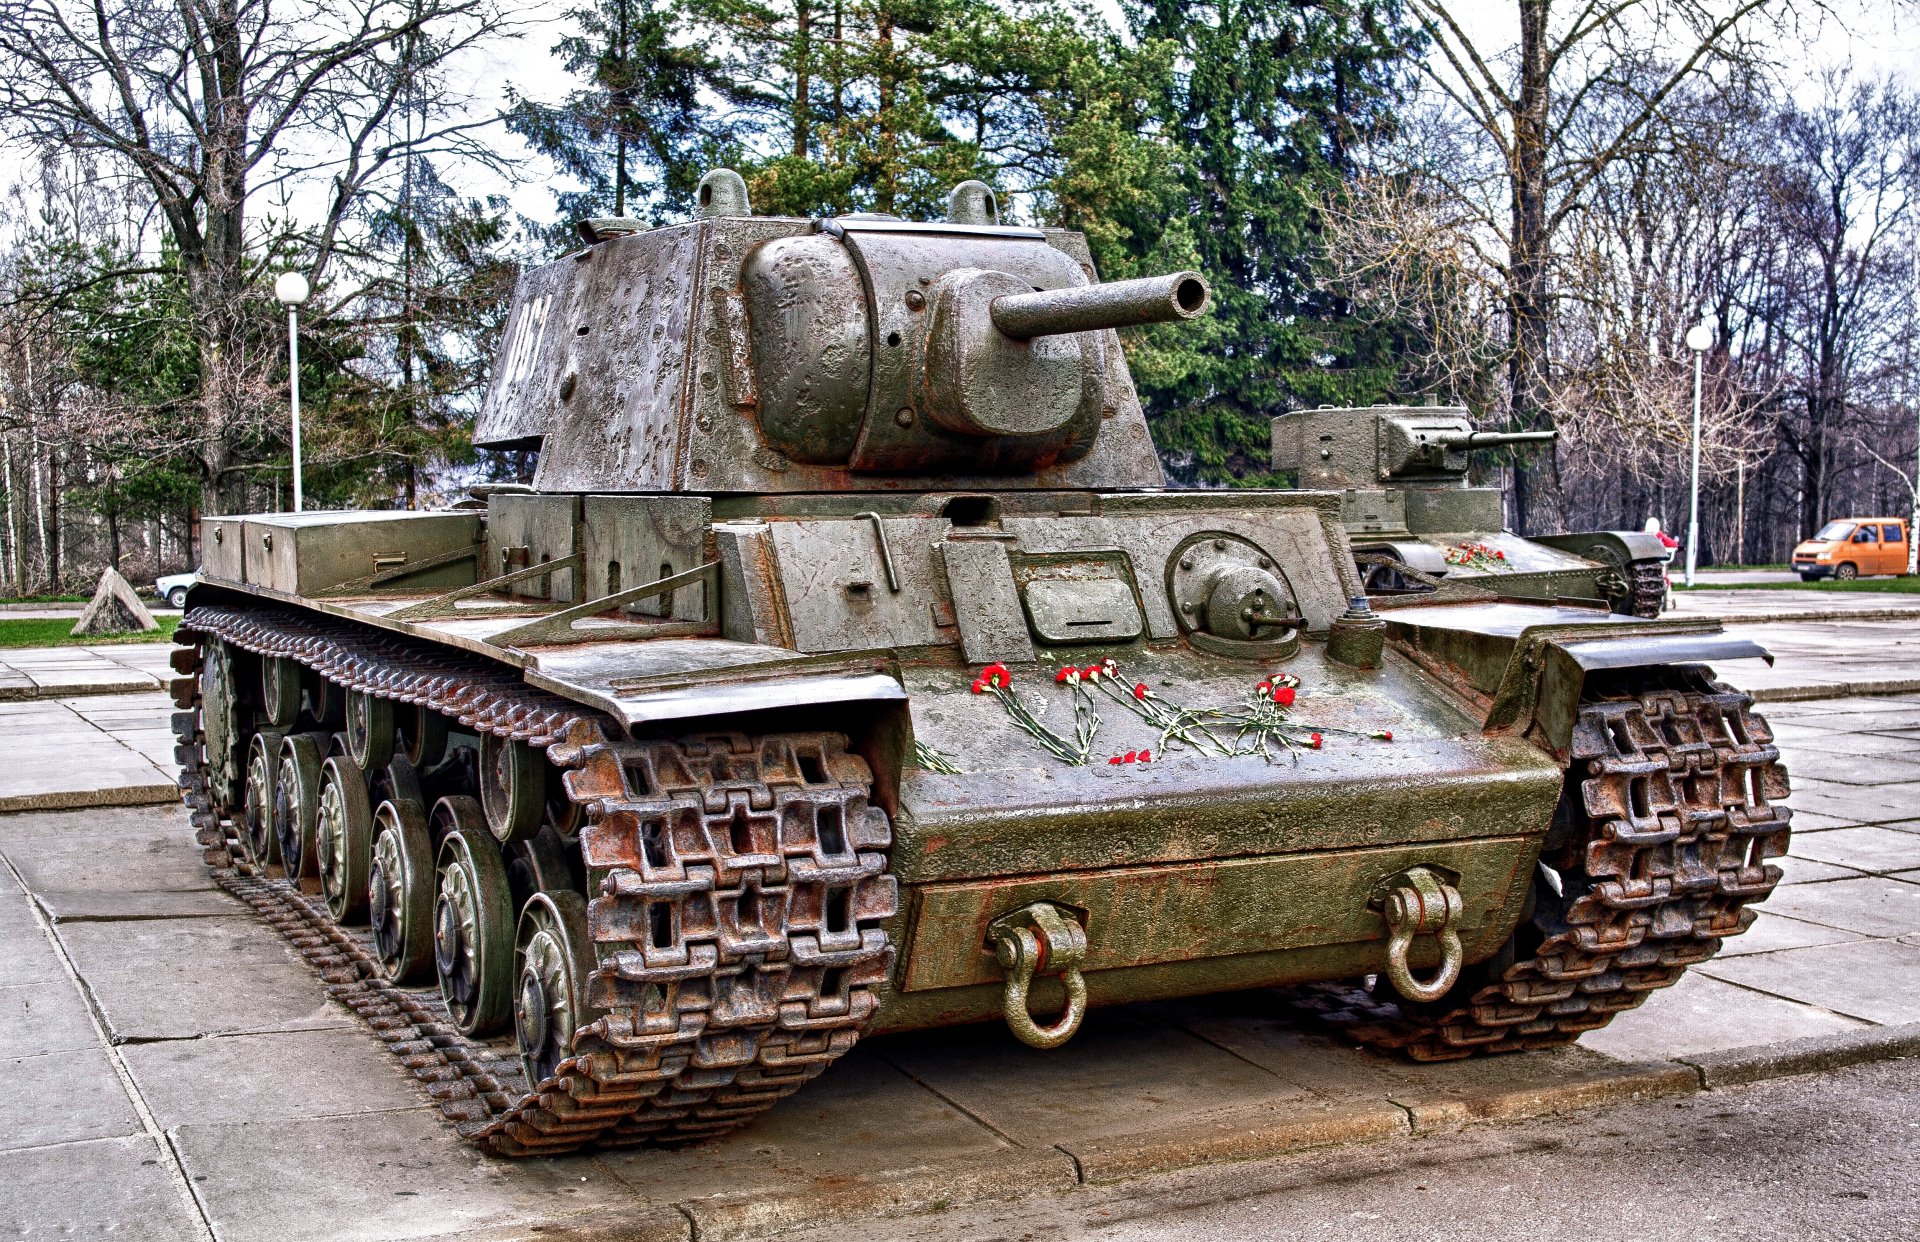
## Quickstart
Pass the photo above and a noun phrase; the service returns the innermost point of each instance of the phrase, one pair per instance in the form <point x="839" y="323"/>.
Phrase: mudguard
<point x="1526" y="664"/>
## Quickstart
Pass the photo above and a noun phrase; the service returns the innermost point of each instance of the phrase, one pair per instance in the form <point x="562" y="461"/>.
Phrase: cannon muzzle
<point x="1471" y="440"/>
<point x="1091" y="308"/>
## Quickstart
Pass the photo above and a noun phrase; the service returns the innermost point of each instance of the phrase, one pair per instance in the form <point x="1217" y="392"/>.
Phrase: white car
<point x="173" y="588"/>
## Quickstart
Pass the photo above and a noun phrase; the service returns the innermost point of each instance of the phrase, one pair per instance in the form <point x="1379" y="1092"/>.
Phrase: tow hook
<point x="1419" y="902"/>
<point x="1040" y="939"/>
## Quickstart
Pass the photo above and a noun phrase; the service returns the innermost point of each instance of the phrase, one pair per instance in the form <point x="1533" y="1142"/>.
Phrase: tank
<point x="1414" y="517"/>
<point x="847" y="667"/>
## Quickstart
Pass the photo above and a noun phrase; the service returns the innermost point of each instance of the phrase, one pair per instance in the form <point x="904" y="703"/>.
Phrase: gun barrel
<point x="1495" y="439"/>
<point x="1090" y="308"/>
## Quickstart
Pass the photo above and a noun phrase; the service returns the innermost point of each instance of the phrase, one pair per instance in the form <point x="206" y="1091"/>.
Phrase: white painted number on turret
<point x="527" y="331"/>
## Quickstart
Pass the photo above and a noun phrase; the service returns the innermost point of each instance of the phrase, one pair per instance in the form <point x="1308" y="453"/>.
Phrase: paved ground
<point x="1811" y="1157"/>
<point x="172" y="1071"/>
<point x="54" y="672"/>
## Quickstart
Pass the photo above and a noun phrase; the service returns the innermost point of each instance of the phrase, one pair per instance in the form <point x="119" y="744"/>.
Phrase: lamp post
<point x="292" y="290"/>
<point x="1699" y="338"/>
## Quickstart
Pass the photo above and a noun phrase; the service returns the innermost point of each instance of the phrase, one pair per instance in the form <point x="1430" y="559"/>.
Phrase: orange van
<point x="1850" y="548"/>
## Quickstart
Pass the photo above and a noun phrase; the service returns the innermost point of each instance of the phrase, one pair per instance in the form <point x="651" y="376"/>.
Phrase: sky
<point x="1875" y="36"/>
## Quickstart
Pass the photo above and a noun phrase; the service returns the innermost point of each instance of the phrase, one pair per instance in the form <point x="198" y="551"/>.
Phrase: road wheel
<point x="473" y="927"/>
<point x="1846" y="571"/>
<point x="400" y="890"/>
<point x="512" y="788"/>
<point x="554" y="958"/>
<point x="343" y="837"/>
<point x="177" y="598"/>
<point x="263" y="769"/>
<point x="296" y="804"/>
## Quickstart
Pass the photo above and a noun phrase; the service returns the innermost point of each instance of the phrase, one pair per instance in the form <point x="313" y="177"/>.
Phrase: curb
<point x="1818" y="614"/>
<point x="1838" y="690"/>
<point x="21" y="694"/>
<point x="1815" y="1055"/>
<point x="1250" y="1134"/>
<point x="88" y="799"/>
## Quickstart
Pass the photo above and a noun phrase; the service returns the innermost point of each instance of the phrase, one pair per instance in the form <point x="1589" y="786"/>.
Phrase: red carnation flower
<point x="1115" y="759"/>
<point x="1263" y="689"/>
<point x="1283" y="695"/>
<point x="1062" y="675"/>
<point x="1140" y="691"/>
<point x="1131" y="756"/>
<point x="1146" y="756"/>
<point x="979" y="685"/>
<point x="1314" y="739"/>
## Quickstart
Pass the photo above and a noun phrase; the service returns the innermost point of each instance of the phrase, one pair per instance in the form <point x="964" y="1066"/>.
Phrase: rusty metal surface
<point x="761" y="980"/>
<point x="1677" y="816"/>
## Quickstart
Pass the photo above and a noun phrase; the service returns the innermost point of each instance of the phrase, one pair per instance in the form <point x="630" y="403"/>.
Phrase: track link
<point x="1646" y="587"/>
<point x="737" y="891"/>
<point x="1659" y="847"/>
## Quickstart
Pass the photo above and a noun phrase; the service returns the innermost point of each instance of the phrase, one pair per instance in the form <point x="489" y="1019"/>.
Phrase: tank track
<point x="1646" y="587"/>
<point x="723" y="982"/>
<point x="1657" y="851"/>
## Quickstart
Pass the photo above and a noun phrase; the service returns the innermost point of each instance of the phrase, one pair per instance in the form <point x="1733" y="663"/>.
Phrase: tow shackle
<point x="1040" y="939"/>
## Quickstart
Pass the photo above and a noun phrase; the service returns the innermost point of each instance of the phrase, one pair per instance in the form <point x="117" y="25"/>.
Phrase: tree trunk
<point x="802" y="79"/>
<point x="1535" y="492"/>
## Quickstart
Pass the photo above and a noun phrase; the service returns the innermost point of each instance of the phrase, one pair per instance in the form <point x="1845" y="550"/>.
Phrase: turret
<point x="747" y="354"/>
<point x="1407" y="446"/>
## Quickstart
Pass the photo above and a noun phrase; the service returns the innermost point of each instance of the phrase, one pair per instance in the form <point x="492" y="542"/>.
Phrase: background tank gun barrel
<point x="1090" y="308"/>
<point x="1470" y="440"/>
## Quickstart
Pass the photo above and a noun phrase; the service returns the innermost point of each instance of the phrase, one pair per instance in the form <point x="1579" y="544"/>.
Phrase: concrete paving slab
<point x="1124" y="1074"/>
<point x="1876" y="980"/>
<point x="404" y="1177"/>
<point x="302" y="1073"/>
<point x="115" y="848"/>
<point x="62" y="1097"/>
<point x="1773" y="931"/>
<point x="1872" y="906"/>
<point x="181" y="978"/>
<point x="1813" y="821"/>
<point x="109" y="1188"/>
<point x="1865" y="849"/>
<point x="41" y="1018"/>
<point x="1856" y="804"/>
<point x="862" y="1138"/>
<point x="1703" y="1014"/>
<point x="1863" y="769"/>
<point x="96" y="907"/>
<point x="1819" y="745"/>
<point x="1797" y="870"/>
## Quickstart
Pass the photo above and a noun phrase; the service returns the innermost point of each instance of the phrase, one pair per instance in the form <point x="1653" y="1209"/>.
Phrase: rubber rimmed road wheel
<point x="553" y="958"/>
<point x="280" y="691"/>
<point x="400" y="891"/>
<point x="473" y="929"/>
<point x="1846" y="571"/>
<point x="343" y="839"/>
<point x="296" y="804"/>
<point x="369" y="729"/>
<point x="513" y="788"/>
<point x="263" y="771"/>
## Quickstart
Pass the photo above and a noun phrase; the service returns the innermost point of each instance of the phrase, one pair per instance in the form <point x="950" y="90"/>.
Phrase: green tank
<point x="1415" y="519"/>
<point x="846" y="666"/>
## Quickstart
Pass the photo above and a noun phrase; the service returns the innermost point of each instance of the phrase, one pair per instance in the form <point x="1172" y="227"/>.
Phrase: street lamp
<point x="1699" y="339"/>
<point x="292" y="290"/>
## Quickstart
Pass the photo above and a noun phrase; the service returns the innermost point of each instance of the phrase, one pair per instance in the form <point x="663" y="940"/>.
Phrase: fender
<point x="1527" y="665"/>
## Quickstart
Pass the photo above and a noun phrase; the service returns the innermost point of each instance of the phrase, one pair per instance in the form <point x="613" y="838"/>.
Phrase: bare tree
<point x="1549" y="117"/>
<point x="213" y="103"/>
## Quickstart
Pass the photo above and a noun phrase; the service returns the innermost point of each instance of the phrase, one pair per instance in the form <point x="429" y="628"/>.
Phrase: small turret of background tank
<point x="1413" y="515"/>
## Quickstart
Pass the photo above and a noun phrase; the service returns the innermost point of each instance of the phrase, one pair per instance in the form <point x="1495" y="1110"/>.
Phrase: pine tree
<point x="1270" y="100"/>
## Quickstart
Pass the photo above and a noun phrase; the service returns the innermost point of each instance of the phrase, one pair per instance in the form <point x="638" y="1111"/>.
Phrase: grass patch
<point x="1872" y="586"/>
<point x="57" y="632"/>
<point x="46" y="599"/>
